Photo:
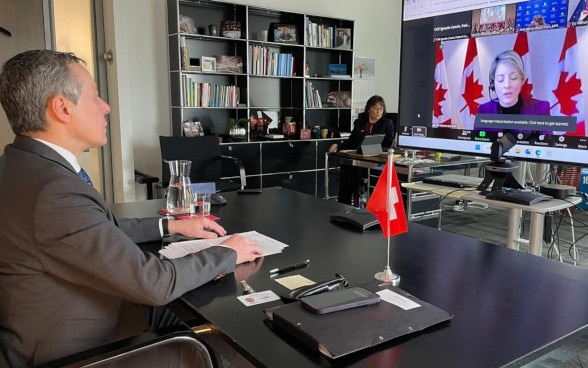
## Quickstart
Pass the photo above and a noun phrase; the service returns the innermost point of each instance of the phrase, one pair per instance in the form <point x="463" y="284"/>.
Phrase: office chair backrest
<point x="3" y="361"/>
<point x="204" y="152"/>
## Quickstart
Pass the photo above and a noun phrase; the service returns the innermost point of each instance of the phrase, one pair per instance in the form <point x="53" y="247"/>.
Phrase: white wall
<point x="141" y="66"/>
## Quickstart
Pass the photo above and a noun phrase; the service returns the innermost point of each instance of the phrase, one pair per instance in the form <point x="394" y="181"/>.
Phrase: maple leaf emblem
<point x="439" y="97"/>
<point x="472" y="91"/>
<point x="527" y="89"/>
<point x="565" y="91"/>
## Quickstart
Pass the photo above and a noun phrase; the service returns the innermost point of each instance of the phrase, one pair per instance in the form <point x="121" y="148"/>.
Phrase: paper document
<point x="268" y="245"/>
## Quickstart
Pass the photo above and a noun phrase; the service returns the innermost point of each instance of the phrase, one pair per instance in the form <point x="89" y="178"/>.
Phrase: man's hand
<point x="247" y="250"/>
<point x="245" y="270"/>
<point x="197" y="227"/>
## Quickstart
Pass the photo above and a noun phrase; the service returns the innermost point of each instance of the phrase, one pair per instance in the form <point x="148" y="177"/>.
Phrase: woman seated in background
<point x="371" y="121"/>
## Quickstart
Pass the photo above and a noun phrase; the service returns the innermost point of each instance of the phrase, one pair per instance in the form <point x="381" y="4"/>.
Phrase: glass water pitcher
<point x="179" y="192"/>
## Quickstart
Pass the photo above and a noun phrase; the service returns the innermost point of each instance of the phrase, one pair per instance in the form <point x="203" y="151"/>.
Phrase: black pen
<point x="293" y="267"/>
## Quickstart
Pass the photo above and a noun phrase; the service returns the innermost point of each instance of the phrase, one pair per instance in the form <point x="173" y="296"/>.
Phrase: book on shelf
<point x="319" y="35"/>
<point x="184" y="57"/>
<point x="313" y="97"/>
<point x="205" y="94"/>
<point x="271" y="62"/>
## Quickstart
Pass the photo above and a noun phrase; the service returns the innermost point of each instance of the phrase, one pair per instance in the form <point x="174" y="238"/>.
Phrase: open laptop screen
<point x="371" y="144"/>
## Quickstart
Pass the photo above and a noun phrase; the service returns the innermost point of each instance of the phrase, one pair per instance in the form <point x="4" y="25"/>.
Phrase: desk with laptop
<point x="515" y="200"/>
<point x="490" y="291"/>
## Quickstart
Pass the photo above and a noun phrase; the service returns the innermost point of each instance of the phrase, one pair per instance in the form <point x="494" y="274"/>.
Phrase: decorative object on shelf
<point x="316" y="132"/>
<point x="305" y="131"/>
<point x="187" y="24"/>
<point x="231" y="28"/>
<point x="262" y="122"/>
<point x="237" y="129"/>
<point x="212" y="30"/>
<point x="290" y="127"/>
<point x="208" y="64"/>
<point x="229" y="64"/>
<point x="338" y="71"/>
<point x="338" y="99"/>
<point x="192" y="129"/>
<point x="285" y="33"/>
<point x="343" y="38"/>
<point x="360" y="68"/>
<point x="194" y="65"/>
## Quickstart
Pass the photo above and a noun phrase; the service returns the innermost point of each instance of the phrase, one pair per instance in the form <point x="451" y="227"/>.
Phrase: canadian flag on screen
<point x="568" y="95"/>
<point x="441" y="100"/>
<point x="521" y="47"/>
<point x="386" y="203"/>
<point x="471" y="88"/>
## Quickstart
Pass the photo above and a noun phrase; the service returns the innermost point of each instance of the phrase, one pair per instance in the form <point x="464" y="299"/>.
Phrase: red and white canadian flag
<point x="441" y="100"/>
<point x="521" y="47"/>
<point x="568" y="95"/>
<point x="386" y="203"/>
<point x="471" y="88"/>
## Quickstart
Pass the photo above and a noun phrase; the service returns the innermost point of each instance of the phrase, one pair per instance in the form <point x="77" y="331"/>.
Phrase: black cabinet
<point x="297" y="165"/>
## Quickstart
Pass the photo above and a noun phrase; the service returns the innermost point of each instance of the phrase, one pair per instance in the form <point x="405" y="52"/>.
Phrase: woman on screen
<point x="507" y="76"/>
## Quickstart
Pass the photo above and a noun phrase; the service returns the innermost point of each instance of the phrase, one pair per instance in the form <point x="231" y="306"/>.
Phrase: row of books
<point x="319" y="35"/>
<point x="266" y="61"/>
<point x="313" y="97"/>
<point x="208" y="94"/>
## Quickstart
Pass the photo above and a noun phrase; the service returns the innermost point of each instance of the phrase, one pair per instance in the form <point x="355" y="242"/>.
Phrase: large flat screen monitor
<point x="472" y="71"/>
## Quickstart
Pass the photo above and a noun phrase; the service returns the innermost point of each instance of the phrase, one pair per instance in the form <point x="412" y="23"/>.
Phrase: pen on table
<point x="246" y="288"/>
<point x="293" y="267"/>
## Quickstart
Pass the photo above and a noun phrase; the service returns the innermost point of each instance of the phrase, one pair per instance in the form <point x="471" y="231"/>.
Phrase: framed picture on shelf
<point x="343" y="38"/>
<point x="192" y="129"/>
<point x="187" y="24"/>
<point x="285" y="33"/>
<point x="208" y="64"/>
<point x="229" y="63"/>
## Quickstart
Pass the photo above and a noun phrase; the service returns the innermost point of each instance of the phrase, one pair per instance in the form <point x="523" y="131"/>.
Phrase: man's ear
<point x="59" y="107"/>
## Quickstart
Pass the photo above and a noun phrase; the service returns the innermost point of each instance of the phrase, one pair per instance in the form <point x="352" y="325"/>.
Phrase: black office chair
<point x="134" y="351"/>
<point x="207" y="161"/>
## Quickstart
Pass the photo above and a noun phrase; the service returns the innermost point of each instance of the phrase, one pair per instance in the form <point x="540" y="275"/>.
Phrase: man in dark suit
<point x="67" y="266"/>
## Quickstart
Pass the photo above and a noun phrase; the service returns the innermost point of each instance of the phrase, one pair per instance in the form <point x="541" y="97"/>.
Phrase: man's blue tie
<point x="84" y="175"/>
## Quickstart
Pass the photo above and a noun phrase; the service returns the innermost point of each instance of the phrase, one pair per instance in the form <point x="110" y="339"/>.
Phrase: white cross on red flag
<point x="386" y="203"/>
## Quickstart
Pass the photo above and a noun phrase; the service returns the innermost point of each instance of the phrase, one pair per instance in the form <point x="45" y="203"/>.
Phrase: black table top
<point x="506" y="304"/>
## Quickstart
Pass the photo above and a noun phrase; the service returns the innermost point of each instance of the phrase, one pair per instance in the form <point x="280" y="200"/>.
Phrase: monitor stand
<point x="498" y="175"/>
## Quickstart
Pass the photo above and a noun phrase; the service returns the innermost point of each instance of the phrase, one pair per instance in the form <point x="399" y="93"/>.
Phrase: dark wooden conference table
<point x="508" y="307"/>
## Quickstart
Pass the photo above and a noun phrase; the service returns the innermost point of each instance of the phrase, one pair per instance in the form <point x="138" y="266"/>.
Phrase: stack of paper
<point x="268" y="245"/>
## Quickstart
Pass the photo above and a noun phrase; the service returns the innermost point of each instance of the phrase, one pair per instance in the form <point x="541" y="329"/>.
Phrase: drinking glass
<point x="200" y="205"/>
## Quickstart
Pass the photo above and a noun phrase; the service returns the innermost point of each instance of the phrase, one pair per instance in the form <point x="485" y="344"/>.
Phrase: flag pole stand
<point x="387" y="275"/>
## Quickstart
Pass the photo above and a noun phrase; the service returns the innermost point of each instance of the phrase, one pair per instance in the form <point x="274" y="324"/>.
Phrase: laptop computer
<point x="371" y="145"/>
<point x="452" y="180"/>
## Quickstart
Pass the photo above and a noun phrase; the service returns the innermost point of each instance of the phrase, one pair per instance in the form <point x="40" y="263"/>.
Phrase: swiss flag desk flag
<point x="386" y="203"/>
